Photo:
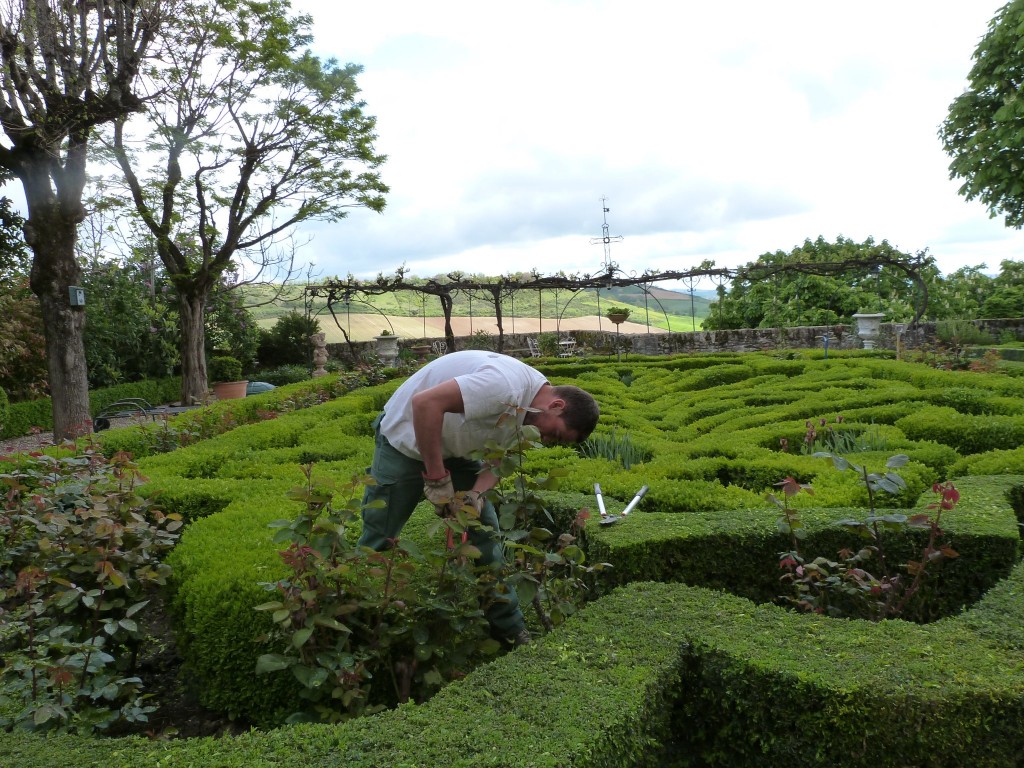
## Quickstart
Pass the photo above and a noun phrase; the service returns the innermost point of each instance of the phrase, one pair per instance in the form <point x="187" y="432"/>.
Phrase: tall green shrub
<point x="287" y="342"/>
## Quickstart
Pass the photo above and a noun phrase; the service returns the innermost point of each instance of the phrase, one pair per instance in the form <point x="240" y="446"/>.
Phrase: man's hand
<point x="474" y="499"/>
<point x="440" y="492"/>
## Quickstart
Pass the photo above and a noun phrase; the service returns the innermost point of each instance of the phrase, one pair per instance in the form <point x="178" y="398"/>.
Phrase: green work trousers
<point x="400" y="485"/>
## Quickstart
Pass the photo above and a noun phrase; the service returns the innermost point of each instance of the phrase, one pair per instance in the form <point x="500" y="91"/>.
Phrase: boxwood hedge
<point x="680" y="661"/>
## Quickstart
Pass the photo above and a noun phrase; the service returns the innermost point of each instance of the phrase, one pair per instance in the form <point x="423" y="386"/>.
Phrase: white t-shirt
<point x="489" y="382"/>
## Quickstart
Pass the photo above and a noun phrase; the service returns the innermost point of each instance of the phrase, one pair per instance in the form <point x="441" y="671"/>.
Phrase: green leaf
<point x="526" y="590"/>
<point x="133" y="609"/>
<point x="301" y="636"/>
<point x="898" y="460"/>
<point x="490" y="646"/>
<point x="433" y="677"/>
<point x="888" y="485"/>
<point x="895" y="517"/>
<point x="272" y="662"/>
<point x="327" y="621"/>
<point x="574" y="553"/>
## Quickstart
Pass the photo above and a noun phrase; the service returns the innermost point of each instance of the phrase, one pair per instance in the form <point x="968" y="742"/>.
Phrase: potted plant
<point x="617" y="314"/>
<point x="226" y="374"/>
<point x="387" y="347"/>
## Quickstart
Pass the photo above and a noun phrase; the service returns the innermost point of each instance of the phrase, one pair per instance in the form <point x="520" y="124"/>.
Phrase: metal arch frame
<point x="647" y="292"/>
<point x="611" y="277"/>
<point x="558" y="319"/>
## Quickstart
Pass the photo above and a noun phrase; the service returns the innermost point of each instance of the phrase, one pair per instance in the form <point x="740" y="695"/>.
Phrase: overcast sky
<point x="716" y="130"/>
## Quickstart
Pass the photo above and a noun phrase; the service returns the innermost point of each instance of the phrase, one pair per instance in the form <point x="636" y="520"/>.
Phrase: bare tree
<point x="67" y="67"/>
<point x="248" y="136"/>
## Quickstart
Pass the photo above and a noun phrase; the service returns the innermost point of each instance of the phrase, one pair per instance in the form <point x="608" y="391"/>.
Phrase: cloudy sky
<point x="716" y="130"/>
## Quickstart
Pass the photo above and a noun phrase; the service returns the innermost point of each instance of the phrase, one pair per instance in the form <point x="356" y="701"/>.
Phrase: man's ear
<point x="558" y="403"/>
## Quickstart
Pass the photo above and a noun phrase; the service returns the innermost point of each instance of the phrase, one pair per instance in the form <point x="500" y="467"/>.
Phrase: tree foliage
<point x="288" y="342"/>
<point x="782" y="289"/>
<point x="982" y="130"/>
<point x="22" y="356"/>
<point x="67" y="68"/>
<point x="132" y="322"/>
<point x="1007" y="296"/>
<point x="245" y="135"/>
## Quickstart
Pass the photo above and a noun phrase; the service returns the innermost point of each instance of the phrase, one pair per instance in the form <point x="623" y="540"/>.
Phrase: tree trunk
<point x="194" y="386"/>
<point x="496" y="296"/>
<point x="446" y="307"/>
<point x="50" y="232"/>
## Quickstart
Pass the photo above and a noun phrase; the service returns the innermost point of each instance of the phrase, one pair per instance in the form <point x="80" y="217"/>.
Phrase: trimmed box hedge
<point x="650" y="674"/>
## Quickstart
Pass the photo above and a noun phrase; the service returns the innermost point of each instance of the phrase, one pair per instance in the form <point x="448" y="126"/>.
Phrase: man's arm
<point x="428" y="410"/>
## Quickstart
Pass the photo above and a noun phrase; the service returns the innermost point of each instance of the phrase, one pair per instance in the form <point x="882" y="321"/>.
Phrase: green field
<point x="413" y="315"/>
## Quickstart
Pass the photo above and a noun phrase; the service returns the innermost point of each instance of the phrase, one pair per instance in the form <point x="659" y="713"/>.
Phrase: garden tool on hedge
<point x="612" y="519"/>
<point x="600" y="501"/>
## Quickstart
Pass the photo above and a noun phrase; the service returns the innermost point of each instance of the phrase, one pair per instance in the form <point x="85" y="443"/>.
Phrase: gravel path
<point x="45" y="439"/>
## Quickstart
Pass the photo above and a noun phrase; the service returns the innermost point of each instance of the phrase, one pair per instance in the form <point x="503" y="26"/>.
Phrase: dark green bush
<point x="287" y="343"/>
<point x="284" y="374"/>
<point x="224" y="368"/>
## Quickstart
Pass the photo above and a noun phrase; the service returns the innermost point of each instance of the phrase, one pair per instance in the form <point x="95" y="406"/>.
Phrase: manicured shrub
<point x="695" y="676"/>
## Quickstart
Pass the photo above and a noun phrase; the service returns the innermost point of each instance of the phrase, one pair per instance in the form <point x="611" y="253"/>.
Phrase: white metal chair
<point x="533" y="346"/>
<point x="439" y="348"/>
<point x="567" y="347"/>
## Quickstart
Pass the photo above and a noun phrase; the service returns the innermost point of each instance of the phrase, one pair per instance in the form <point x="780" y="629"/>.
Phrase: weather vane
<point x="606" y="239"/>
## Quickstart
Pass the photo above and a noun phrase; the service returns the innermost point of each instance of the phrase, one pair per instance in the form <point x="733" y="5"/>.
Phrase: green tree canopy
<point x="983" y="131"/>
<point x="1007" y="296"/>
<point x="822" y="283"/>
<point x="245" y="135"/>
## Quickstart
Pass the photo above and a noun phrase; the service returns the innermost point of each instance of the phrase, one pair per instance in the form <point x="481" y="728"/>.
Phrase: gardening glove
<point x="439" y="492"/>
<point x="474" y="499"/>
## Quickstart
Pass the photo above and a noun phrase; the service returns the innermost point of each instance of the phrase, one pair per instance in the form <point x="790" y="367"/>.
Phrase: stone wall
<point x="743" y="340"/>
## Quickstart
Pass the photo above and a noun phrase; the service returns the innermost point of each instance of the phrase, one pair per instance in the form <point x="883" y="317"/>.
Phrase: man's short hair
<point x="581" y="410"/>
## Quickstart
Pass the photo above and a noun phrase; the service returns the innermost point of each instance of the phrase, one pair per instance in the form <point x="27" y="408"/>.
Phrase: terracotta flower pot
<point x="230" y="390"/>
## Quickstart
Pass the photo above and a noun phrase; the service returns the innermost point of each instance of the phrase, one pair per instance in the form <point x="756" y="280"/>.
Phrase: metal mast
<point x="609" y="266"/>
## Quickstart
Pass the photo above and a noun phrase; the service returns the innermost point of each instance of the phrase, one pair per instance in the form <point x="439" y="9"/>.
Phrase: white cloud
<point x="716" y="130"/>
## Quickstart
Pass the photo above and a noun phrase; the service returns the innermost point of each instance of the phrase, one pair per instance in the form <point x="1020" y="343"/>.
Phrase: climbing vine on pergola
<point x="339" y="291"/>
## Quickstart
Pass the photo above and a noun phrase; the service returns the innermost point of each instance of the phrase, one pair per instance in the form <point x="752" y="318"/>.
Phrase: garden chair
<point x="439" y="348"/>
<point x="533" y="346"/>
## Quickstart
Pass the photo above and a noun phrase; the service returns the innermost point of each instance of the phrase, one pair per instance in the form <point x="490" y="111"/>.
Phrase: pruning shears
<point x="607" y="519"/>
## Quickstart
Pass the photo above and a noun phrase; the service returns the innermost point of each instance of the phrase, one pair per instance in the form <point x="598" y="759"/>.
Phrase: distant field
<point x="363" y="327"/>
<point x="669" y="310"/>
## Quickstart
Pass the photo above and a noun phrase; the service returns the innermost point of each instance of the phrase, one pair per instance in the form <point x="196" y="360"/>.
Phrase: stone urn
<point x="868" y="326"/>
<point x="387" y="348"/>
<point x="421" y="351"/>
